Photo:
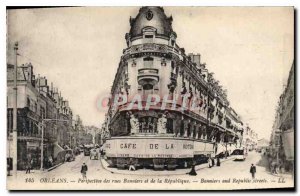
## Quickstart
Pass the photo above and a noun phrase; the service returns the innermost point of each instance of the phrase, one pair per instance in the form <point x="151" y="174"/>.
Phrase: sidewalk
<point x="154" y="172"/>
<point x="22" y="174"/>
<point x="35" y="172"/>
<point x="264" y="162"/>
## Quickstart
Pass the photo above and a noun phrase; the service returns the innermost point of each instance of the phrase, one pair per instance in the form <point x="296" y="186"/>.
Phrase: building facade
<point x="283" y="131"/>
<point x="36" y="102"/>
<point x="250" y="138"/>
<point x="166" y="107"/>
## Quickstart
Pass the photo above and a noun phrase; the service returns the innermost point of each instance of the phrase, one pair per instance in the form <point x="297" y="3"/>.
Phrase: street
<point x="237" y="172"/>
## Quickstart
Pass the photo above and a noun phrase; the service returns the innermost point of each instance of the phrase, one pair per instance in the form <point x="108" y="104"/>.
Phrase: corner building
<point x="188" y="118"/>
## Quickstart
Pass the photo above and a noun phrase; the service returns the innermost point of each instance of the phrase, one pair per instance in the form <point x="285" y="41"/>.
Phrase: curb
<point x="202" y="166"/>
<point x="205" y="165"/>
<point x="55" y="166"/>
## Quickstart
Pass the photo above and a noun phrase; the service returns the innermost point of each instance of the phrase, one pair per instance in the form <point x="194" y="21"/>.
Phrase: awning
<point x="57" y="149"/>
<point x="221" y="148"/>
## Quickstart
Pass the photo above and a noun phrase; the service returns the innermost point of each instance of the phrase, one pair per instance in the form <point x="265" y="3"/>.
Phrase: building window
<point x="28" y="102"/>
<point x="42" y="112"/>
<point x="148" y="124"/>
<point x="148" y="62"/>
<point x="148" y="38"/>
<point x="172" y="43"/>
<point x="9" y="120"/>
<point x="170" y="126"/>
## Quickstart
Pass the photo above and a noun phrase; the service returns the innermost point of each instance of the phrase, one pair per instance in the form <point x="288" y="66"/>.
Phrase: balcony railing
<point x="148" y="76"/>
<point x="151" y="47"/>
<point x="148" y="71"/>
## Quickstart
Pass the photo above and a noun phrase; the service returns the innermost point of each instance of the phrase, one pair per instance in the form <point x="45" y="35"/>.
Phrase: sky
<point x="250" y="50"/>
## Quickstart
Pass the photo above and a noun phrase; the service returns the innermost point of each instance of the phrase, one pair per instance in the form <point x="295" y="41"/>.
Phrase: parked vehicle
<point x="94" y="154"/>
<point x="223" y="155"/>
<point x="87" y="151"/>
<point x="239" y="154"/>
<point x="70" y="156"/>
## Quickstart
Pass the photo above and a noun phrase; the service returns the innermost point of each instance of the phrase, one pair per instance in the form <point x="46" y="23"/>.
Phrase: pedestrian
<point x="213" y="162"/>
<point x="270" y="160"/>
<point x="209" y="162"/>
<point x="273" y="167"/>
<point x="50" y="159"/>
<point x="280" y="166"/>
<point x="131" y="165"/>
<point x="218" y="161"/>
<point x="193" y="170"/>
<point x="83" y="171"/>
<point x="28" y="167"/>
<point x="253" y="170"/>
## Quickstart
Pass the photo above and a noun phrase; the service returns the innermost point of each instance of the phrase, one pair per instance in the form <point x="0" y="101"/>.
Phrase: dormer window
<point x="149" y="34"/>
<point x="148" y="38"/>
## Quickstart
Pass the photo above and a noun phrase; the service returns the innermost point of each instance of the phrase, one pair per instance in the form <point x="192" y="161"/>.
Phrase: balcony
<point x="148" y="77"/>
<point x="150" y="47"/>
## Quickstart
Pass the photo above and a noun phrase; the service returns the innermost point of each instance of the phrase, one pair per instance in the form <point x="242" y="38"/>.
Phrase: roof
<point x="151" y="17"/>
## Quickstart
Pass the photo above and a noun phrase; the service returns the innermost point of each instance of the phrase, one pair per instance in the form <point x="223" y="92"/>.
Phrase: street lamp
<point x="15" y="108"/>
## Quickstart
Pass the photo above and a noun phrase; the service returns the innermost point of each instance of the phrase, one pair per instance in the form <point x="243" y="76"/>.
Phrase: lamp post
<point x="226" y="137"/>
<point x="15" y="108"/>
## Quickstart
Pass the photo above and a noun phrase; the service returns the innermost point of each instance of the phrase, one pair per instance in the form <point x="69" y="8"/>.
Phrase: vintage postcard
<point x="150" y="98"/>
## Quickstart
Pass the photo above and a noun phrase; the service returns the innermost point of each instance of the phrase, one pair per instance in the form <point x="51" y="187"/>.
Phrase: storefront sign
<point x="149" y="148"/>
<point x="156" y="148"/>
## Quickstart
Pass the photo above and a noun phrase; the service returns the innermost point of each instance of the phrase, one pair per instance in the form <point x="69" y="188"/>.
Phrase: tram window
<point x="148" y="62"/>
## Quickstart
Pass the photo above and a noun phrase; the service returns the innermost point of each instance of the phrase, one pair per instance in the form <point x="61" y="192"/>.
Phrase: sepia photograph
<point x="150" y="98"/>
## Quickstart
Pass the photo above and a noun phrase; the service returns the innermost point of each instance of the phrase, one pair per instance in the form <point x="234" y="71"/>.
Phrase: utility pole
<point x="226" y="144"/>
<point x="42" y="146"/>
<point x="15" y="108"/>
